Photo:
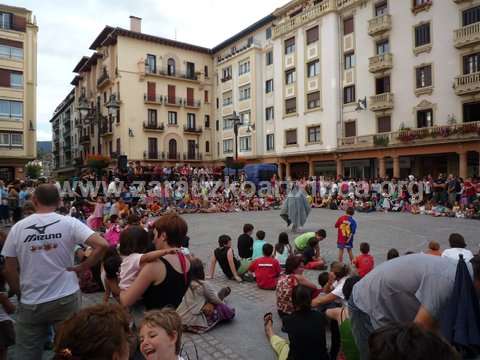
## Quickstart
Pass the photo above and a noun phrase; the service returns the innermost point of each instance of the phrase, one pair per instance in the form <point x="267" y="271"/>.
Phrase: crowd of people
<point x="411" y="306"/>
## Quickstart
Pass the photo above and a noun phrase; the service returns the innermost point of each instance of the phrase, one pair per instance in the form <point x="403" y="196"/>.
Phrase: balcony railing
<point x="434" y="134"/>
<point x="379" y="24"/>
<point x="192" y="156"/>
<point x="467" y="84"/>
<point x="380" y="62"/>
<point x="153" y="126"/>
<point x="106" y="128"/>
<point x="304" y="17"/>
<point x="84" y="139"/>
<point x="343" y="4"/>
<point x="381" y="102"/>
<point x="154" y="99"/>
<point x="192" y="129"/>
<point x="192" y="103"/>
<point x="226" y="78"/>
<point x="169" y="73"/>
<point x="173" y="100"/>
<point x="103" y="79"/>
<point x="467" y="35"/>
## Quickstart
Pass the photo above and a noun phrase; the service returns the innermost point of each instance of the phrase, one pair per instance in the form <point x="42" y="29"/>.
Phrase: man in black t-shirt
<point x="439" y="189"/>
<point x="245" y="242"/>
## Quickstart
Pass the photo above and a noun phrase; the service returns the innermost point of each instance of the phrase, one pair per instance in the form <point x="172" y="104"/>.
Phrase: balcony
<point x="381" y="102"/>
<point x="467" y="35"/>
<point x="177" y="74"/>
<point x="305" y="17"/>
<point x="193" y="104"/>
<point x="380" y="62"/>
<point x="106" y="128"/>
<point x="173" y="101"/>
<point x="226" y="78"/>
<point x="104" y="79"/>
<point x="151" y="155"/>
<point x="344" y="4"/>
<point x="192" y="156"/>
<point x="467" y="84"/>
<point x="422" y="136"/>
<point x="379" y="25"/>
<point x="192" y="129"/>
<point x="153" y="126"/>
<point x="84" y="139"/>
<point x="155" y="99"/>
<point x="421" y="7"/>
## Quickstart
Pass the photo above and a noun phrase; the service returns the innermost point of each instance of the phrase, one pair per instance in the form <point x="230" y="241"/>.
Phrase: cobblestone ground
<point x="243" y="338"/>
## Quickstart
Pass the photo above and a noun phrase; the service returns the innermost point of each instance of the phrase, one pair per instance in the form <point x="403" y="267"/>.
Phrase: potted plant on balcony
<point x="97" y="163"/>
<point x="381" y="140"/>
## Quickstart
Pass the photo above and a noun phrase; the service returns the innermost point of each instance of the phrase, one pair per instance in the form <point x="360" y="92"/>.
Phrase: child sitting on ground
<point x="364" y="262"/>
<point x="266" y="269"/>
<point x="258" y="245"/>
<point x="283" y="249"/>
<point x="347" y="226"/>
<point x="226" y="258"/>
<point x="311" y="255"/>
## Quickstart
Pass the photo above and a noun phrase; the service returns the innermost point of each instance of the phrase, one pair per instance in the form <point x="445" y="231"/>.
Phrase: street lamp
<point x="113" y="105"/>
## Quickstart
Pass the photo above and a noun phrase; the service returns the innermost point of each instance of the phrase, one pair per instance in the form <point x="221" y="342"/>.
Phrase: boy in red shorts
<point x="347" y="226"/>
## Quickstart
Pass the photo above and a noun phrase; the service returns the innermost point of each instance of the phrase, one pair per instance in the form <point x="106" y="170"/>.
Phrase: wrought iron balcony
<point x="379" y="24"/>
<point x="195" y="104"/>
<point x="380" y="62"/>
<point x="153" y="126"/>
<point x="153" y="99"/>
<point x="192" y="156"/>
<point x="166" y="72"/>
<point x="467" y="84"/>
<point x="104" y="79"/>
<point x="467" y="35"/>
<point x="381" y="102"/>
<point x="173" y="101"/>
<point x="192" y="129"/>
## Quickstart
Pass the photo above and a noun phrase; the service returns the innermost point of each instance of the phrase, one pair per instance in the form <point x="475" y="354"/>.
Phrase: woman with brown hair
<point x="94" y="333"/>
<point x="163" y="282"/>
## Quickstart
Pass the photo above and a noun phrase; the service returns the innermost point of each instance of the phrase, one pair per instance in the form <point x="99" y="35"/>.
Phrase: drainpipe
<point x="340" y="80"/>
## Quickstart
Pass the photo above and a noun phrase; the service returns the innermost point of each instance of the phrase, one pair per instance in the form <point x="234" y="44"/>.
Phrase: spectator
<point x="283" y="249"/>
<point x="226" y="258"/>
<point x="245" y="243"/>
<point x="457" y="247"/>
<point x="43" y="246"/>
<point x="266" y="269"/>
<point x="258" y="245"/>
<point x="434" y="248"/>
<point x="364" y="262"/>
<point x="301" y="241"/>
<point x="392" y="254"/>
<point x="347" y="227"/>
<point x="97" y="332"/>
<point x="339" y="273"/>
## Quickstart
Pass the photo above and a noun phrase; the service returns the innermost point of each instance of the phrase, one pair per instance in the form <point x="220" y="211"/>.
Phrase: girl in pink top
<point x="95" y="220"/>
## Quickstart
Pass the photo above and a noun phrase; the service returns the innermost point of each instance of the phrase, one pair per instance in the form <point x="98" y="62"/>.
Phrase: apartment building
<point x="65" y="137"/>
<point x="18" y="83"/>
<point x="335" y="87"/>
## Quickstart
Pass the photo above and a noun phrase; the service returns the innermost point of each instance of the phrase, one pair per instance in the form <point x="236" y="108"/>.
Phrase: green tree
<point x="33" y="170"/>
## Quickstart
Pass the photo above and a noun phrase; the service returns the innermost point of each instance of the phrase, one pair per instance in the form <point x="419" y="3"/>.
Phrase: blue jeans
<point x="361" y="328"/>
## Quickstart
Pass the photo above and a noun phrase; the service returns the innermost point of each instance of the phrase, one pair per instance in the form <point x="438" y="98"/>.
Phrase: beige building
<point x="335" y="87"/>
<point x="18" y="86"/>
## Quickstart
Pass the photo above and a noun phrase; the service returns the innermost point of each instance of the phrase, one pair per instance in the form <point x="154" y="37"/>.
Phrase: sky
<point x="67" y="28"/>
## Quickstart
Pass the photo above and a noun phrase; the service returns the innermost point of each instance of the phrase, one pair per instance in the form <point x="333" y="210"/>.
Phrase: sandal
<point x="268" y="317"/>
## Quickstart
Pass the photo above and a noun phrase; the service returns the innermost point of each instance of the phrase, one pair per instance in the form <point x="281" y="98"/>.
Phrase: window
<point x="290" y="76"/>
<point x="244" y="92"/>
<point x="348" y="26"/>
<point x="172" y="118"/>
<point x="11" y="109"/>
<point x="314" y="134"/>
<point x="471" y="63"/>
<point x="152" y="148"/>
<point x="118" y="146"/>
<point x="5" y="20"/>
<point x="152" y="117"/>
<point x="171" y="67"/>
<point x="151" y="63"/>
<point x="244" y="67"/>
<point x="289" y="46"/>
<point x="268" y="33"/>
<point x="383" y="47"/>
<point x="207" y="146"/>
<point x="269" y="113"/>
<point x="270" y="141"/>
<point x="226" y="73"/>
<point x="269" y="86"/>
<point x="350" y="129"/>
<point x="205" y="71"/>
<point x="16" y="80"/>
<point x="382" y="85"/>
<point x="245" y="118"/>
<point x="424" y="118"/>
<point x="471" y="112"/>
<point x="313" y="100"/>
<point x="349" y="60"/>
<point x="205" y="97"/>
<point x="245" y="143"/>
<point x="313" y="68"/>
<point x="11" y="139"/>
<point x="384" y="124"/>
<point x="217" y="125"/>
<point x="191" y="121"/>
<point x="191" y="71"/>
<point x="291" y="106"/>
<point x="291" y="137"/>
<point x="11" y="52"/>
<point x="422" y="35"/>
<point x="228" y="146"/>
<point x="424" y="76"/>
<point x="312" y="35"/>
<point x="269" y="58"/>
<point x="381" y="9"/>
<point x="207" y="121"/>
<point x="227" y="123"/>
<point x="4" y="139"/>
<point x="227" y="98"/>
<point x="471" y="16"/>
<point x="349" y="94"/>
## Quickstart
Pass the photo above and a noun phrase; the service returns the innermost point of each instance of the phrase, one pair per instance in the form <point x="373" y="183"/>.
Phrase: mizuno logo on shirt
<point x="40" y="229"/>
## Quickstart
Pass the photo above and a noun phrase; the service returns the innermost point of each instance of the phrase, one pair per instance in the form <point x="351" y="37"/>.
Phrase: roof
<point x="76" y="80"/>
<point x="92" y="60"/>
<point x="109" y="36"/>
<point x="65" y="102"/>
<point x="79" y="65"/>
<point x="260" y="23"/>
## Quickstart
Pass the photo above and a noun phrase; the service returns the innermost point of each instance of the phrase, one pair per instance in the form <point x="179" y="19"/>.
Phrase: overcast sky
<point x="67" y="28"/>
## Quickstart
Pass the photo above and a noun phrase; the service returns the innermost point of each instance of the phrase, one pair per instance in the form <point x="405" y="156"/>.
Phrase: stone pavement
<point x="244" y="338"/>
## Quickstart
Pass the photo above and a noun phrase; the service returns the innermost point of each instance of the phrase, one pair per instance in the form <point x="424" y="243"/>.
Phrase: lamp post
<point x="237" y="122"/>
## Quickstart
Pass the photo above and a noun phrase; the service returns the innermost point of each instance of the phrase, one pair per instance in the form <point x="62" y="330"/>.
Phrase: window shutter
<point x="12" y="43"/>
<point x="19" y="23"/>
<point x="205" y="96"/>
<point x="384" y="124"/>
<point x="190" y="96"/>
<point x="171" y="94"/>
<point x="348" y="26"/>
<point x="350" y="129"/>
<point x="151" y="91"/>
<point x="312" y="35"/>
<point x="4" y="78"/>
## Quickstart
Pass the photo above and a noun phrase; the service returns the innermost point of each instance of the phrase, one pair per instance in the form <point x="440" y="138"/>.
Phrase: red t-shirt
<point x="469" y="188"/>
<point x="364" y="264"/>
<point x="267" y="270"/>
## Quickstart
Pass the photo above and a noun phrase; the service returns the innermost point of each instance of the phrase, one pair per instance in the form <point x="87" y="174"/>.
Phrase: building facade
<point x="18" y="84"/>
<point x="359" y="88"/>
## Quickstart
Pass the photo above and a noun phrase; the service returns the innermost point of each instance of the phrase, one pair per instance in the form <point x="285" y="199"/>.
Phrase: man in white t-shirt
<point x="457" y="247"/>
<point x="42" y="246"/>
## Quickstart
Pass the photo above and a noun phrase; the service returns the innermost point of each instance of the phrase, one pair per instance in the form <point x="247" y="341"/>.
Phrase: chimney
<point x="135" y="24"/>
